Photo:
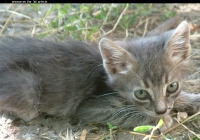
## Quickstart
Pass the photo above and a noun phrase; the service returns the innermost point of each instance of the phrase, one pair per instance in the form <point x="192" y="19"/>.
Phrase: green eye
<point x="141" y="94"/>
<point x="173" y="87"/>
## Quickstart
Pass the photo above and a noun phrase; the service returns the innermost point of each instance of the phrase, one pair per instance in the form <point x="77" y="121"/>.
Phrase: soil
<point x="20" y="19"/>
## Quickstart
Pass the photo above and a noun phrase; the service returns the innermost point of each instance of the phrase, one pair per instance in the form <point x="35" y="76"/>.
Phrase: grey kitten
<point x="125" y="83"/>
<point x="147" y="75"/>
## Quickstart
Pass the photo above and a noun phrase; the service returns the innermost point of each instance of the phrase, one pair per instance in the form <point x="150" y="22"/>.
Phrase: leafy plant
<point x="147" y="128"/>
<point x="195" y="138"/>
<point x="111" y="128"/>
<point x="85" y="21"/>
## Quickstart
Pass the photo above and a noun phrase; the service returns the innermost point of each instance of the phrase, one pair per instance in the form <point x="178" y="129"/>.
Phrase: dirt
<point x="25" y="22"/>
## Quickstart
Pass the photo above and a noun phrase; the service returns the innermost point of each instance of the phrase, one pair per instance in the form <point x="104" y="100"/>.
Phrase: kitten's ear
<point x="115" y="59"/>
<point x="178" y="47"/>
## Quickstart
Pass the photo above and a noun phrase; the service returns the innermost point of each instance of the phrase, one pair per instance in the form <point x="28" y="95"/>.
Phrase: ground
<point x="18" y="20"/>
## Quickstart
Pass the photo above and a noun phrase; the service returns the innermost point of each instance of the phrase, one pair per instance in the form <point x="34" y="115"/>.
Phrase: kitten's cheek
<point x="170" y="107"/>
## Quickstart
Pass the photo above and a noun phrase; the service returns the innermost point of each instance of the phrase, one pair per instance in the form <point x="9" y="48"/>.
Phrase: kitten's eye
<point x="173" y="87"/>
<point x="141" y="94"/>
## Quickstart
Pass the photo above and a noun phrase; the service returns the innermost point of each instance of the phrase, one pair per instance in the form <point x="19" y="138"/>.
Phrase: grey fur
<point x="74" y="79"/>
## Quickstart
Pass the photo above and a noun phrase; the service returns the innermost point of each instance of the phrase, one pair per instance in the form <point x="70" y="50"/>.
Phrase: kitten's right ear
<point x="116" y="60"/>
<point x="178" y="47"/>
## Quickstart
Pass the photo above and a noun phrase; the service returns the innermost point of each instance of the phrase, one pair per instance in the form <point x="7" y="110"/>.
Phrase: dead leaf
<point x="181" y="116"/>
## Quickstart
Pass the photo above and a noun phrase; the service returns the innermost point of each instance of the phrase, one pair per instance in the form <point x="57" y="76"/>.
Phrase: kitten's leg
<point x="19" y="93"/>
<point x="187" y="102"/>
<point x="97" y="109"/>
<point x="168" y="121"/>
<point x="114" y="110"/>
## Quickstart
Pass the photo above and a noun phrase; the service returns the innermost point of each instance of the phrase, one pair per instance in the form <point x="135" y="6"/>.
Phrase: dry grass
<point x="17" y="20"/>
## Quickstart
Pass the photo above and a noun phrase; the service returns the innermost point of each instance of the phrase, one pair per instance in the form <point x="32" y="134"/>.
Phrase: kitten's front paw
<point x="168" y="121"/>
<point x="196" y="106"/>
<point x="187" y="102"/>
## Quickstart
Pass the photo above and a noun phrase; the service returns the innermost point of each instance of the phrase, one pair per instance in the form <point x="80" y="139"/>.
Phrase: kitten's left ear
<point x="116" y="60"/>
<point x="178" y="47"/>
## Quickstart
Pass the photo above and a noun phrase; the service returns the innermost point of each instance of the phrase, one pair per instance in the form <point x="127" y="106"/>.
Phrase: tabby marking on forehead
<point x="166" y="78"/>
<point x="147" y="85"/>
<point x="151" y="87"/>
<point x="149" y="82"/>
<point x="164" y="90"/>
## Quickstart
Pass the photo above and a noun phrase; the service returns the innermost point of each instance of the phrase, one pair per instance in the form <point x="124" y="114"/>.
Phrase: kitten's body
<point x="72" y="79"/>
<point x="50" y="77"/>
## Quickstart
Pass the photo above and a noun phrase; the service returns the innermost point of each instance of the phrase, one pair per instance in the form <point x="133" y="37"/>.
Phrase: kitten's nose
<point x="160" y="112"/>
<point x="160" y="107"/>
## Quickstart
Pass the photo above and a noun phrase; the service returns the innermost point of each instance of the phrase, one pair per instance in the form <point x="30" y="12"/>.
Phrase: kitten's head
<point x="148" y="72"/>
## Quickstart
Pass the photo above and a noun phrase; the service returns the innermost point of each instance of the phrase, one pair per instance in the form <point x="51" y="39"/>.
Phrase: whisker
<point x="107" y="94"/>
<point x="124" y="109"/>
<point x="136" y="113"/>
<point x="185" y="60"/>
<point x="117" y="113"/>
<point x="136" y="75"/>
<point x="136" y="116"/>
<point x="185" y="68"/>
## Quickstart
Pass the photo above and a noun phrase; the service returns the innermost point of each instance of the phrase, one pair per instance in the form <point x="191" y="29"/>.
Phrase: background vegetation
<point x="88" y="23"/>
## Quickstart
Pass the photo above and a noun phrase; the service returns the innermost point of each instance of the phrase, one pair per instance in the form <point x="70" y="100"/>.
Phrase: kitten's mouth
<point x="167" y="112"/>
<point x="153" y="114"/>
<point x="161" y="115"/>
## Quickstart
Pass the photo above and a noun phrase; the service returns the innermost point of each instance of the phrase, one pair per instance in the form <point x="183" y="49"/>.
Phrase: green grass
<point x="89" y="22"/>
<point x="111" y="128"/>
<point x="86" y="21"/>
